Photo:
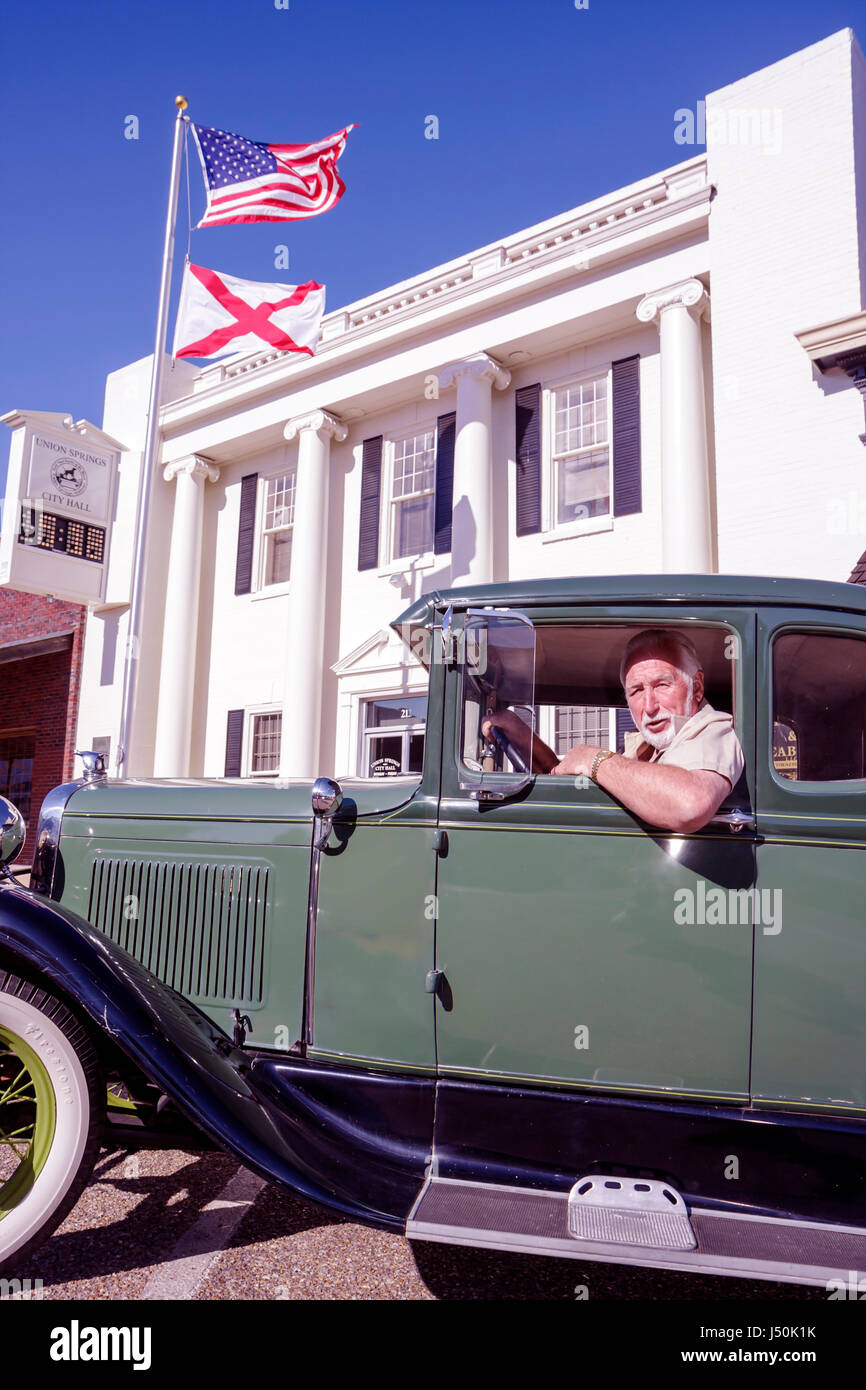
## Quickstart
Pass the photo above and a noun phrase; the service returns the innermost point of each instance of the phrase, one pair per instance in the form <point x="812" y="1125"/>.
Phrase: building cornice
<point x="663" y="207"/>
<point x="828" y="342"/>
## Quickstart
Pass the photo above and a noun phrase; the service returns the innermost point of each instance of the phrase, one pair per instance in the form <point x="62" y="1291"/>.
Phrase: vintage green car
<point x="485" y="1004"/>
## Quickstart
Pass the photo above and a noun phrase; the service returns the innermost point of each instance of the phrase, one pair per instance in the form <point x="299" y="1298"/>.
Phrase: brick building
<point x="41" y="642"/>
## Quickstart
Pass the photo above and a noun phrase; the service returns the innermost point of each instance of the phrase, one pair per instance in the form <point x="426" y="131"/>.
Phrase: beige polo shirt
<point x="706" y="742"/>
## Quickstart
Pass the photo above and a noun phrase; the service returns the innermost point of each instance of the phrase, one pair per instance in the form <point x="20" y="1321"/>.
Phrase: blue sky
<point x="541" y="106"/>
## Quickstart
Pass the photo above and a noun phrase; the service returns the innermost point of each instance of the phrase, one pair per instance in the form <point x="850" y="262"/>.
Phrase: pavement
<point x="164" y="1224"/>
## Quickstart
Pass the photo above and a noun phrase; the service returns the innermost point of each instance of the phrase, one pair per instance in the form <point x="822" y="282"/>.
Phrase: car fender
<point x="176" y="1046"/>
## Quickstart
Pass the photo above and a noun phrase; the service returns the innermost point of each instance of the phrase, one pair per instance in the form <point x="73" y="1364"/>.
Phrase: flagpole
<point x="151" y="445"/>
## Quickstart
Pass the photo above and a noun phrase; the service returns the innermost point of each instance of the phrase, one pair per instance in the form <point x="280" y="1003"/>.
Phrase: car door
<point x="563" y="936"/>
<point x="375" y="920"/>
<point x="810" y="942"/>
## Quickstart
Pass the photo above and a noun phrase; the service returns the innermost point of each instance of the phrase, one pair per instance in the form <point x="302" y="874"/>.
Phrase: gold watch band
<point x="597" y="762"/>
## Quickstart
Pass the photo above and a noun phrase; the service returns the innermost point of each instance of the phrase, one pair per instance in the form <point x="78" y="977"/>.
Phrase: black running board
<point x="531" y="1222"/>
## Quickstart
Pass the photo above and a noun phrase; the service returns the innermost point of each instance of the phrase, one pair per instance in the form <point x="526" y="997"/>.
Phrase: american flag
<point x="249" y="181"/>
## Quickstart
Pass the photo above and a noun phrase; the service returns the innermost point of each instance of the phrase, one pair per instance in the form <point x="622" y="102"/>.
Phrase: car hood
<point x="232" y="799"/>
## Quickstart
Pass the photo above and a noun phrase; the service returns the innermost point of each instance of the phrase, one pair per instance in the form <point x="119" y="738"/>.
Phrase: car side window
<point x="819" y="707"/>
<point x="578" y="696"/>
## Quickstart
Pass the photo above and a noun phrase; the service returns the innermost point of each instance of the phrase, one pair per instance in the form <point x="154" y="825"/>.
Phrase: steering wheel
<point x="507" y="747"/>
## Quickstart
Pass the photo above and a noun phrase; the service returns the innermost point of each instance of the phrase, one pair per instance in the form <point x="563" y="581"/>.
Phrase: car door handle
<point x="735" y="820"/>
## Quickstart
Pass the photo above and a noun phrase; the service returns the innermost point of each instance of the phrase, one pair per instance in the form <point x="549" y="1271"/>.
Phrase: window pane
<point x="280" y="505"/>
<point x="413" y="530"/>
<point x="414" y="462"/>
<point x="583" y="487"/>
<point x="279" y="557"/>
<point x="582" y="724"/>
<point x="416" y="753"/>
<point x="819" y="707"/>
<point x="385" y="756"/>
<point x="267" y="733"/>
<point x="398" y="711"/>
<point x="580" y="415"/>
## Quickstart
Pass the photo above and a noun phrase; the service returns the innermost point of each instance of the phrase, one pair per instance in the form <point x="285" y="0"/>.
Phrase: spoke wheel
<point x="51" y="1109"/>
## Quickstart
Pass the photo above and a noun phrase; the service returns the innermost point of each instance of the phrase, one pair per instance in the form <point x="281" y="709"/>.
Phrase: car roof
<point x="673" y="589"/>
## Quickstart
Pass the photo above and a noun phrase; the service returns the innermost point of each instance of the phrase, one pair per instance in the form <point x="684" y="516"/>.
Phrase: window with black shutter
<point x="446" y="429"/>
<point x="246" y="534"/>
<point x="234" y="742"/>
<point x="527" y="406"/>
<point x="371" y="487"/>
<point x="626" y="436"/>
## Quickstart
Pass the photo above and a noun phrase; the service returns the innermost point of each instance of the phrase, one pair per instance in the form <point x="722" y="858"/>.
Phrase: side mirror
<point x="12" y="831"/>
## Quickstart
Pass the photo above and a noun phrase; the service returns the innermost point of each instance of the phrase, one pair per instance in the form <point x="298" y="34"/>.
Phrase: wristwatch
<point x="597" y="762"/>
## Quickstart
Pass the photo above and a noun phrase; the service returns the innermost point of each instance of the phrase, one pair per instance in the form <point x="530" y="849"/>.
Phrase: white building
<point x="647" y="382"/>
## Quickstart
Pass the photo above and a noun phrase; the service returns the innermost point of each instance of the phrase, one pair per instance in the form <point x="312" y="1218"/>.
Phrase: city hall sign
<point x="59" y="492"/>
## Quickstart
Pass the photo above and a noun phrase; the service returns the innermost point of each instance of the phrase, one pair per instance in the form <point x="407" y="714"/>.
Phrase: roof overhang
<point x="839" y="344"/>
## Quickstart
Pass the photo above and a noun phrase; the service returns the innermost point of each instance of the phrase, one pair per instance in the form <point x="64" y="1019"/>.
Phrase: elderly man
<point x="685" y="759"/>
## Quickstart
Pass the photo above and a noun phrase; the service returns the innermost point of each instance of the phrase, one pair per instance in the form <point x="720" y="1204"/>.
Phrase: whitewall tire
<point x="52" y="1103"/>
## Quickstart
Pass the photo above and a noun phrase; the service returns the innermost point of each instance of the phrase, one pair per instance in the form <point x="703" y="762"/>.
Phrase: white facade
<point x="750" y="454"/>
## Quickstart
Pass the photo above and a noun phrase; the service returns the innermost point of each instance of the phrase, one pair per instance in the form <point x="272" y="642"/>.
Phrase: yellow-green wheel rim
<point x="28" y="1116"/>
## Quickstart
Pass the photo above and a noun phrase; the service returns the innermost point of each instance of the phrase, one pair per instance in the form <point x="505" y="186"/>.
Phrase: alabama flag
<point x="221" y="314"/>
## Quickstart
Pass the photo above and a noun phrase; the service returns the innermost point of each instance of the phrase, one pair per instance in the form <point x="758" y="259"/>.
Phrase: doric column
<point x="302" y="713"/>
<point x="180" y="629"/>
<point x="687" y="542"/>
<point x="472" y="527"/>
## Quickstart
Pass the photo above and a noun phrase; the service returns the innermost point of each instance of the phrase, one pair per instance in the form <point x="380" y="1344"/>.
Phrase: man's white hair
<point x="664" y="642"/>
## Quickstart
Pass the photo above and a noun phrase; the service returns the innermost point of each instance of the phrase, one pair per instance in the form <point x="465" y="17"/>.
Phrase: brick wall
<point x="40" y="694"/>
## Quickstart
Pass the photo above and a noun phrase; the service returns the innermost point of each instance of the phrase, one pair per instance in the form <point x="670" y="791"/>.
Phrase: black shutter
<point x="246" y="534"/>
<point x="527" y="407"/>
<point x="371" y="474"/>
<point x="446" y="429"/>
<point x="626" y="436"/>
<point x="624" y="725"/>
<point x="234" y="742"/>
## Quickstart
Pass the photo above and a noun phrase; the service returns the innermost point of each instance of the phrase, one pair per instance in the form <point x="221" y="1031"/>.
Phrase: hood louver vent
<point x="199" y="927"/>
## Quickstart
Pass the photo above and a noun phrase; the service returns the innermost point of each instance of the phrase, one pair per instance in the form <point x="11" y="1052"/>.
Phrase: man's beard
<point x="665" y="737"/>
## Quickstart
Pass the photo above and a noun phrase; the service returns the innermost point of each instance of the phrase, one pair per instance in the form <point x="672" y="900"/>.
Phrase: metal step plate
<point x="535" y="1221"/>
<point x="629" y="1211"/>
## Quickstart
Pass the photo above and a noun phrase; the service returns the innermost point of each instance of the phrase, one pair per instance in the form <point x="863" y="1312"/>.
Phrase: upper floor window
<point x="278" y="521"/>
<point x="580" y="454"/>
<point x="413" y="475"/>
<point x="406" y="496"/>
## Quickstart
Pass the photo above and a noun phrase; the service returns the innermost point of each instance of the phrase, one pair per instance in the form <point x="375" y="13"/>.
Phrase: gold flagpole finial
<point x="181" y="103"/>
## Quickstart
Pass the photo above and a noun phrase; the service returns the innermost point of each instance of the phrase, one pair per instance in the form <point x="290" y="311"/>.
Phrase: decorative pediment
<point x="384" y="651"/>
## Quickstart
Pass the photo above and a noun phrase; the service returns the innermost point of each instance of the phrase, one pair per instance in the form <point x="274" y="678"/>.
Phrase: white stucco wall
<point x="786" y="254"/>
